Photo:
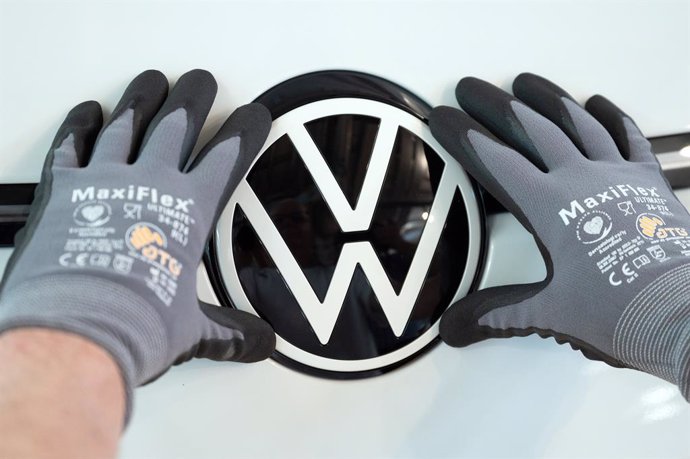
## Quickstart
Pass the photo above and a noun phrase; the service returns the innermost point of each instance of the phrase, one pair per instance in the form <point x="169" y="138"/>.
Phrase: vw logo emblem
<point x="352" y="231"/>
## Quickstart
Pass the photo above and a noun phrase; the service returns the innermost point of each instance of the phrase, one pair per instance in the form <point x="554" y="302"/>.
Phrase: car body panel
<point x="522" y="397"/>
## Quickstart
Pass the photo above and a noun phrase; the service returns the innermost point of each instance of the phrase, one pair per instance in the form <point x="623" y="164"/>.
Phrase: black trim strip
<point x="15" y="198"/>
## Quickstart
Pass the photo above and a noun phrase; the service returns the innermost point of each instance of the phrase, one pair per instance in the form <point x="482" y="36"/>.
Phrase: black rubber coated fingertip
<point x="612" y="118"/>
<point x="255" y="119"/>
<point x="468" y="86"/>
<point x="83" y="122"/>
<point x="201" y="79"/>
<point x="527" y="84"/>
<point x="526" y="77"/>
<point x="457" y="326"/>
<point x="194" y="91"/>
<point x="86" y="116"/>
<point x="605" y="111"/>
<point x="252" y="123"/>
<point x="449" y="126"/>
<point x="257" y="341"/>
<point x="146" y="92"/>
<point x="150" y="79"/>
<point x="442" y="120"/>
<point x="86" y="112"/>
<point x="598" y="104"/>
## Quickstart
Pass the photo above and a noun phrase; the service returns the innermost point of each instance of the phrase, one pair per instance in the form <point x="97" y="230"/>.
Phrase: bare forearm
<point x="60" y="396"/>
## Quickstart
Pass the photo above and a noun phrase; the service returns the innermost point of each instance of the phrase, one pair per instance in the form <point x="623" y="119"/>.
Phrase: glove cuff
<point x="102" y="311"/>
<point x="683" y="364"/>
<point x="653" y="333"/>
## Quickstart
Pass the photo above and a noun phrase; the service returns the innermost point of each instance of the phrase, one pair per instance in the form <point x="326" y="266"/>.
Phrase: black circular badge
<point x="353" y="230"/>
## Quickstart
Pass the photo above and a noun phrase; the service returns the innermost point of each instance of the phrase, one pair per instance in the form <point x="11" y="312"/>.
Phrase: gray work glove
<point x="119" y="224"/>
<point x="613" y="235"/>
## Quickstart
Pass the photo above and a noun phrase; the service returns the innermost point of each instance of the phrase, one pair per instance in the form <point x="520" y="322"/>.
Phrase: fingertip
<point x="85" y="114"/>
<point x="526" y="83"/>
<point x="78" y="134"/>
<point x="627" y="135"/>
<point x="151" y="75"/>
<point x="596" y="101"/>
<point x="523" y="81"/>
<point x="601" y="107"/>
<point x="455" y="326"/>
<point x="526" y="76"/>
<point x="88" y="106"/>
<point x="466" y="86"/>
<point x="448" y="124"/>
<point x="251" y="338"/>
<point x="438" y="117"/>
<point x="444" y="121"/>
<point x="468" y="81"/>
<point x="192" y="95"/>
<point x="259" y="342"/>
<point x="250" y="123"/>
<point x="255" y="117"/>
<point x="201" y="78"/>
<point x="441" y="113"/>
<point x="148" y="85"/>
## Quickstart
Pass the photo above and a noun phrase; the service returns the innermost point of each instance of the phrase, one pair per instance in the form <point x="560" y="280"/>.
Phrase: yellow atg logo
<point x="654" y="227"/>
<point x="149" y="241"/>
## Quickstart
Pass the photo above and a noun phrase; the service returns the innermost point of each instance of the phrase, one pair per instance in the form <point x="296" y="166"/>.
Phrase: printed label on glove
<point x="114" y="229"/>
<point x="148" y="243"/>
<point x="626" y="228"/>
<point x="652" y="227"/>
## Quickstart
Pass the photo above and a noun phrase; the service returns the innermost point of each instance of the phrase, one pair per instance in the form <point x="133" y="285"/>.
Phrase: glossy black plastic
<point x="287" y="191"/>
<point x="330" y="84"/>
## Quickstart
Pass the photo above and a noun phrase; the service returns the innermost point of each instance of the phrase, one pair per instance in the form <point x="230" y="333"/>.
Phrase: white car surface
<point x="522" y="397"/>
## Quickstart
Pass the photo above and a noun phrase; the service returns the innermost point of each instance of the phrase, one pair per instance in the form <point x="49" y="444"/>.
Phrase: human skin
<point x="61" y="396"/>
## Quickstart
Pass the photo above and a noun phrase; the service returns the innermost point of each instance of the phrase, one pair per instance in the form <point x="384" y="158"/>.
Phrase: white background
<point x="520" y="397"/>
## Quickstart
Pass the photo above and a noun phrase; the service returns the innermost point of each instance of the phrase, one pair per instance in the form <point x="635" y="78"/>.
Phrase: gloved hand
<point x="119" y="224"/>
<point x="613" y="235"/>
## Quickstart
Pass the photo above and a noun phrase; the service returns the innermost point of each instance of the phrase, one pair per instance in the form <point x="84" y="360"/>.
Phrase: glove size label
<point x="626" y="229"/>
<point x="131" y="231"/>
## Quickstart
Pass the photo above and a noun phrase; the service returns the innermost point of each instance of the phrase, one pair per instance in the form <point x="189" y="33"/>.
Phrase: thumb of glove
<point x="232" y="335"/>
<point x="506" y="311"/>
<point x="460" y="325"/>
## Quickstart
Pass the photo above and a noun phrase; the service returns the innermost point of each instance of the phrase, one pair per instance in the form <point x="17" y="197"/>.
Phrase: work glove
<point x="585" y="183"/>
<point x="118" y="227"/>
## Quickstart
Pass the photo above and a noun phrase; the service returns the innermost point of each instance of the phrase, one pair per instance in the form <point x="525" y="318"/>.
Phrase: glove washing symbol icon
<point x="627" y="208"/>
<point x="658" y="253"/>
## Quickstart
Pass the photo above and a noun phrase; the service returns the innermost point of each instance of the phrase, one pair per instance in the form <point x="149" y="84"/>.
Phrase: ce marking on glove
<point x="83" y="259"/>
<point x="68" y="260"/>
<point x="628" y="273"/>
